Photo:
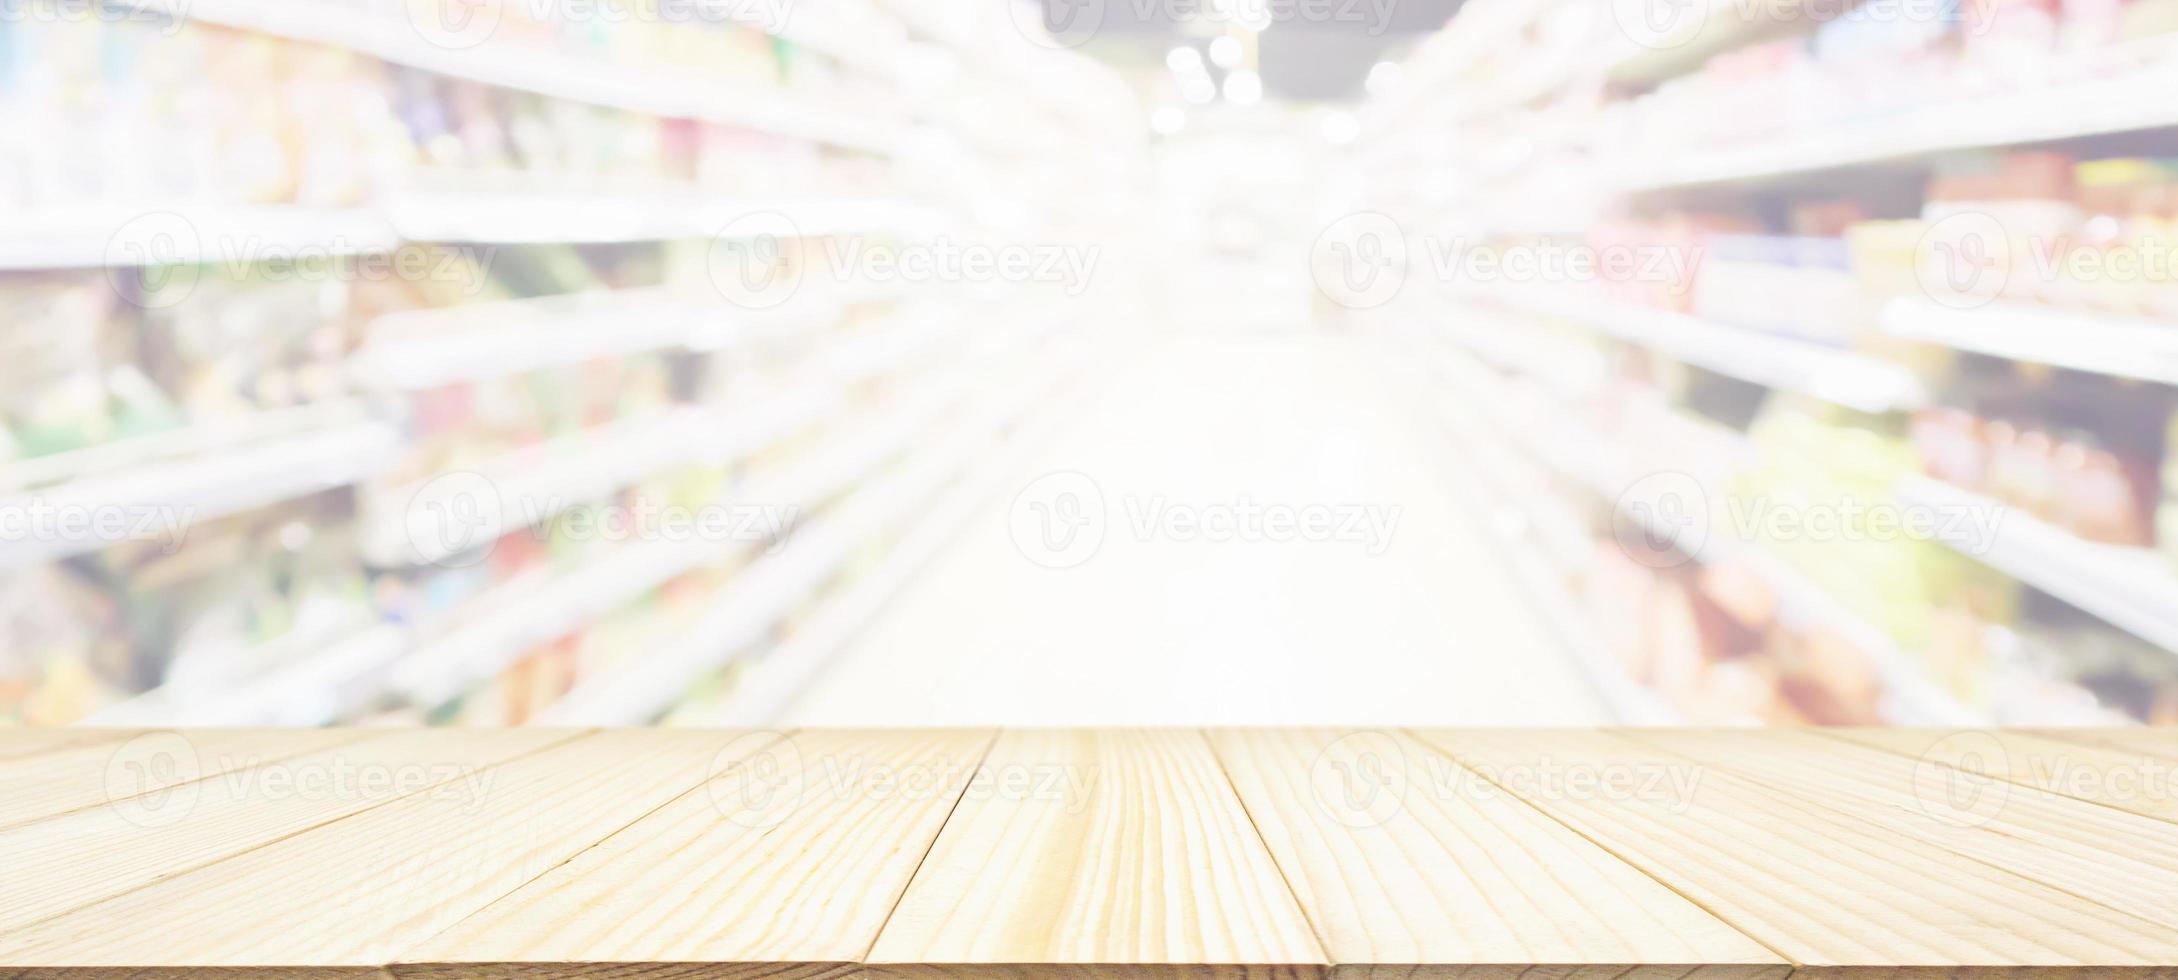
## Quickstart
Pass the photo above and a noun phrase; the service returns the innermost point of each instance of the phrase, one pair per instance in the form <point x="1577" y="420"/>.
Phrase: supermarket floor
<point x="1392" y="610"/>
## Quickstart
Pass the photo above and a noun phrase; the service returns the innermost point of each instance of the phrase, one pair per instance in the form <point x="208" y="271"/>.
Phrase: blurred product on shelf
<point x="2087" y="463"/>
<point x="192" y="112"/>
<point x="1881" y="59"/>
<point x="63" y="389"/>
<point x="2166" y="514"/>
<point x="2037" y="228"/>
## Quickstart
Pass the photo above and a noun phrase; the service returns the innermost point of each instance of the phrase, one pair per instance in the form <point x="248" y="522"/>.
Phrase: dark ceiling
<point x="1314" y="50"/>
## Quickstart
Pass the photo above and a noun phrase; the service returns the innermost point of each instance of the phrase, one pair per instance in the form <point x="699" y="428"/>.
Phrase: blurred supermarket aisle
<point x="1410" y="619"/>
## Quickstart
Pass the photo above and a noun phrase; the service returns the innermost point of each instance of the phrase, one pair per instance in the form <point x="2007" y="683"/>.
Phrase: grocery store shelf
<point x="189" y="234"/>
<point x="431" y="348"/>
<point x="668" y="214"/>
<point x="172" y="496"/>
<point x="770" y="684"/>
<point x="186" y="234"/>
<point x="1841" y="377"/>
<point x="2133" y="589"/>
<point x="2121" y="347"/>
<point x="1630" y="703"/>
<point x="513" y="217"/>
<point x="769" y="589"/>
<point x="540" y="70"/>
<point x="526" y="614"/>
<point x="323" y="685"/>
<point x="1567" y="367"/>
<point x="1912" y="698"/>
<point x="1698" y="32"/>
<point x="534" y="484"/>
<point x="2130" y="102"/>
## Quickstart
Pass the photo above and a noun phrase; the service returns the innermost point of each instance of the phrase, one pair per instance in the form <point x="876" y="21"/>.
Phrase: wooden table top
<point x="1167" y="854"/>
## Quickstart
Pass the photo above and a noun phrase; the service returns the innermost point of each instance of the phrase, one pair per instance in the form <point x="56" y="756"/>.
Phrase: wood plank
<point x="157" y="769"/>
<point x="2114" y="777"/>
<point x="67" y="862"/>
<point x="1107" y="854"/>
<point x="1834" y="894"/>
<point x="18" y="743"/>
<point x="785" y="867"/>
<point x="2161" y="743"/>
<point x="2126" y="862"/>
<point x="1412" y="866"/>
<point x="348" y="897"/>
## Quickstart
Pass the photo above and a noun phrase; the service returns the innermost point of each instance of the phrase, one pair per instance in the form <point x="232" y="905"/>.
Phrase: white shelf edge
<point x="206" y="487"/>
<point x="319" y="688"/>
<point x="2122" y="347"/>
<point x="1835" y="375"/>
<point x="2133" y="589"/>
<point x="2132" y="102"/>
<point x="186" y="233"/>
<point x="465" y="343"/>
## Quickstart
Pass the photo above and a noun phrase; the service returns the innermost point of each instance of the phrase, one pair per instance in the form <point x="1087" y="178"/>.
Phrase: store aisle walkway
<point x="1418" y="626"/>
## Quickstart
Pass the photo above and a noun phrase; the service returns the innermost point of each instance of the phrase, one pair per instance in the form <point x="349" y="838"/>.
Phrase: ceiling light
<point x="1340" y="128"/>
<point x="1384" y="78"/>
<point x="1244" y="88"/>
<point x="1226" y="52"/>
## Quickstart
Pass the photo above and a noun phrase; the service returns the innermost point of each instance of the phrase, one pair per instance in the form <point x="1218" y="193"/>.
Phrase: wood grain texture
<point x="1832" y="893"/>
<point x="2161" y="743"/>
<point x="1104" y="850"/>
<point x="18" y="743"/>
<point x="348" y="897"/>
<point x="2084" y="770"/>
<point x="2123" y="861"/>
<point x="1412" y="866"/>
<point x="1091" y="855"/>
<point x="160" y="768"/>
<point x="67" y="862"/>
<point x="786" y="866"/>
